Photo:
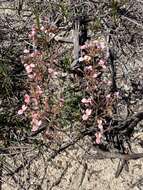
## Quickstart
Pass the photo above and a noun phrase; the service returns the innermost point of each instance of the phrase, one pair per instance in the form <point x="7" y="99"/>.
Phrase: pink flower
<point x="84" y="47"/>
<point x="35" y="124"/>
<point x="29" y="36"/>
<point x="116" y="94"/>
<point x="86" y="101"/>
<point x="26" y="51"/>
<point x="39" y="90"/>
<point x="85" y="117"/>
<point x="25" y="65"/>
<point x="33" y="32"/>
<point x="20" y="112"/>
<point x="39" y="123"/>
<point x="109" y="82"/>
<point x="98" y="137"/>
<point x="102" y="45"/>
<point x="24" y="107"/>
<point x="26" y="98"/>
<point x="88" y="112"/>
<point x="32" y="65"/>
<point x="34" y="128"/>
<point x="99" y="121"/>
<point x="42" y="28"/>
<point x="95" y="75"/>
<point x="100" y="126"/>
<point x="102" y="63"/>
<point x="50" y="70"/>
<point x="31" y="76"/>
<point x="81" y="59"/>
<point x="108" y="96"/>
<point x="33" y="54"/>
<point x="28" y="69"/>
<point x="89" y="68"/>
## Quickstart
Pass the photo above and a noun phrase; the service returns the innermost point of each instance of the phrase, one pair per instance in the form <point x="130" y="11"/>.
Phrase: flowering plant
<point x="51" y="98"/>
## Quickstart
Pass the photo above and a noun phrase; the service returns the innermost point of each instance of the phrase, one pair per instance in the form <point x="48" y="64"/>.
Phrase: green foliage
<point x="65" y="63"/>
<point x="64" y="9"/>
<point x="5" y="80"/>
<point x="71" y="110"/>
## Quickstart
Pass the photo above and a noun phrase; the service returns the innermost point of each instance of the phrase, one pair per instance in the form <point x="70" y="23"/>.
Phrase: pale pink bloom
<point x="33" y="33"/>
<point x="26" y="98"/>
<point x="39" y="123"/>
<point x="36" y="122"/>
<point x="89" y="68"/>
<point x="39" y="90"/>
<point x="98" y="137"/>
<point x="24" y="107"/>
<point x="31" y="76"/>
<point x="50" y="70"/>
<point x="88" y="112"/>
<point x="30" y="36"/>
<point x="84" y="47"/>
<point x="108" y="96"/>
<point x="85" y="117"/>
<point x="102" y="63"/>
<point x="35" y="53"/>
<point x="104" y="66"/>
<point x="81" y="59"/>
<point x="42" y="28"/>
<point x="26" y="51"/>
<point x="100" y="126"/>
<point x="34" y="128"/>
<point x="20" y="112"/>
<point x="25" y="65"/>
<point x="102" y="45"/>
<point x="86" y="101"/>
<point x="99" y="121"/>
<point x="32" y="65"/>
<point x="55" y="74"/>
<point x="32" y="54"/>
<point x="28" y="69"/>
<point x="116" y="94"/>
<point x="109" y="82"/>
<point x="33" y="27"/>
<point x="62" y="99"/>
<point x="95" y="75"/>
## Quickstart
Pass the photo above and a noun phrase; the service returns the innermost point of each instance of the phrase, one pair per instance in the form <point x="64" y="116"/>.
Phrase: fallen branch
<point x="108" y="155"/>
